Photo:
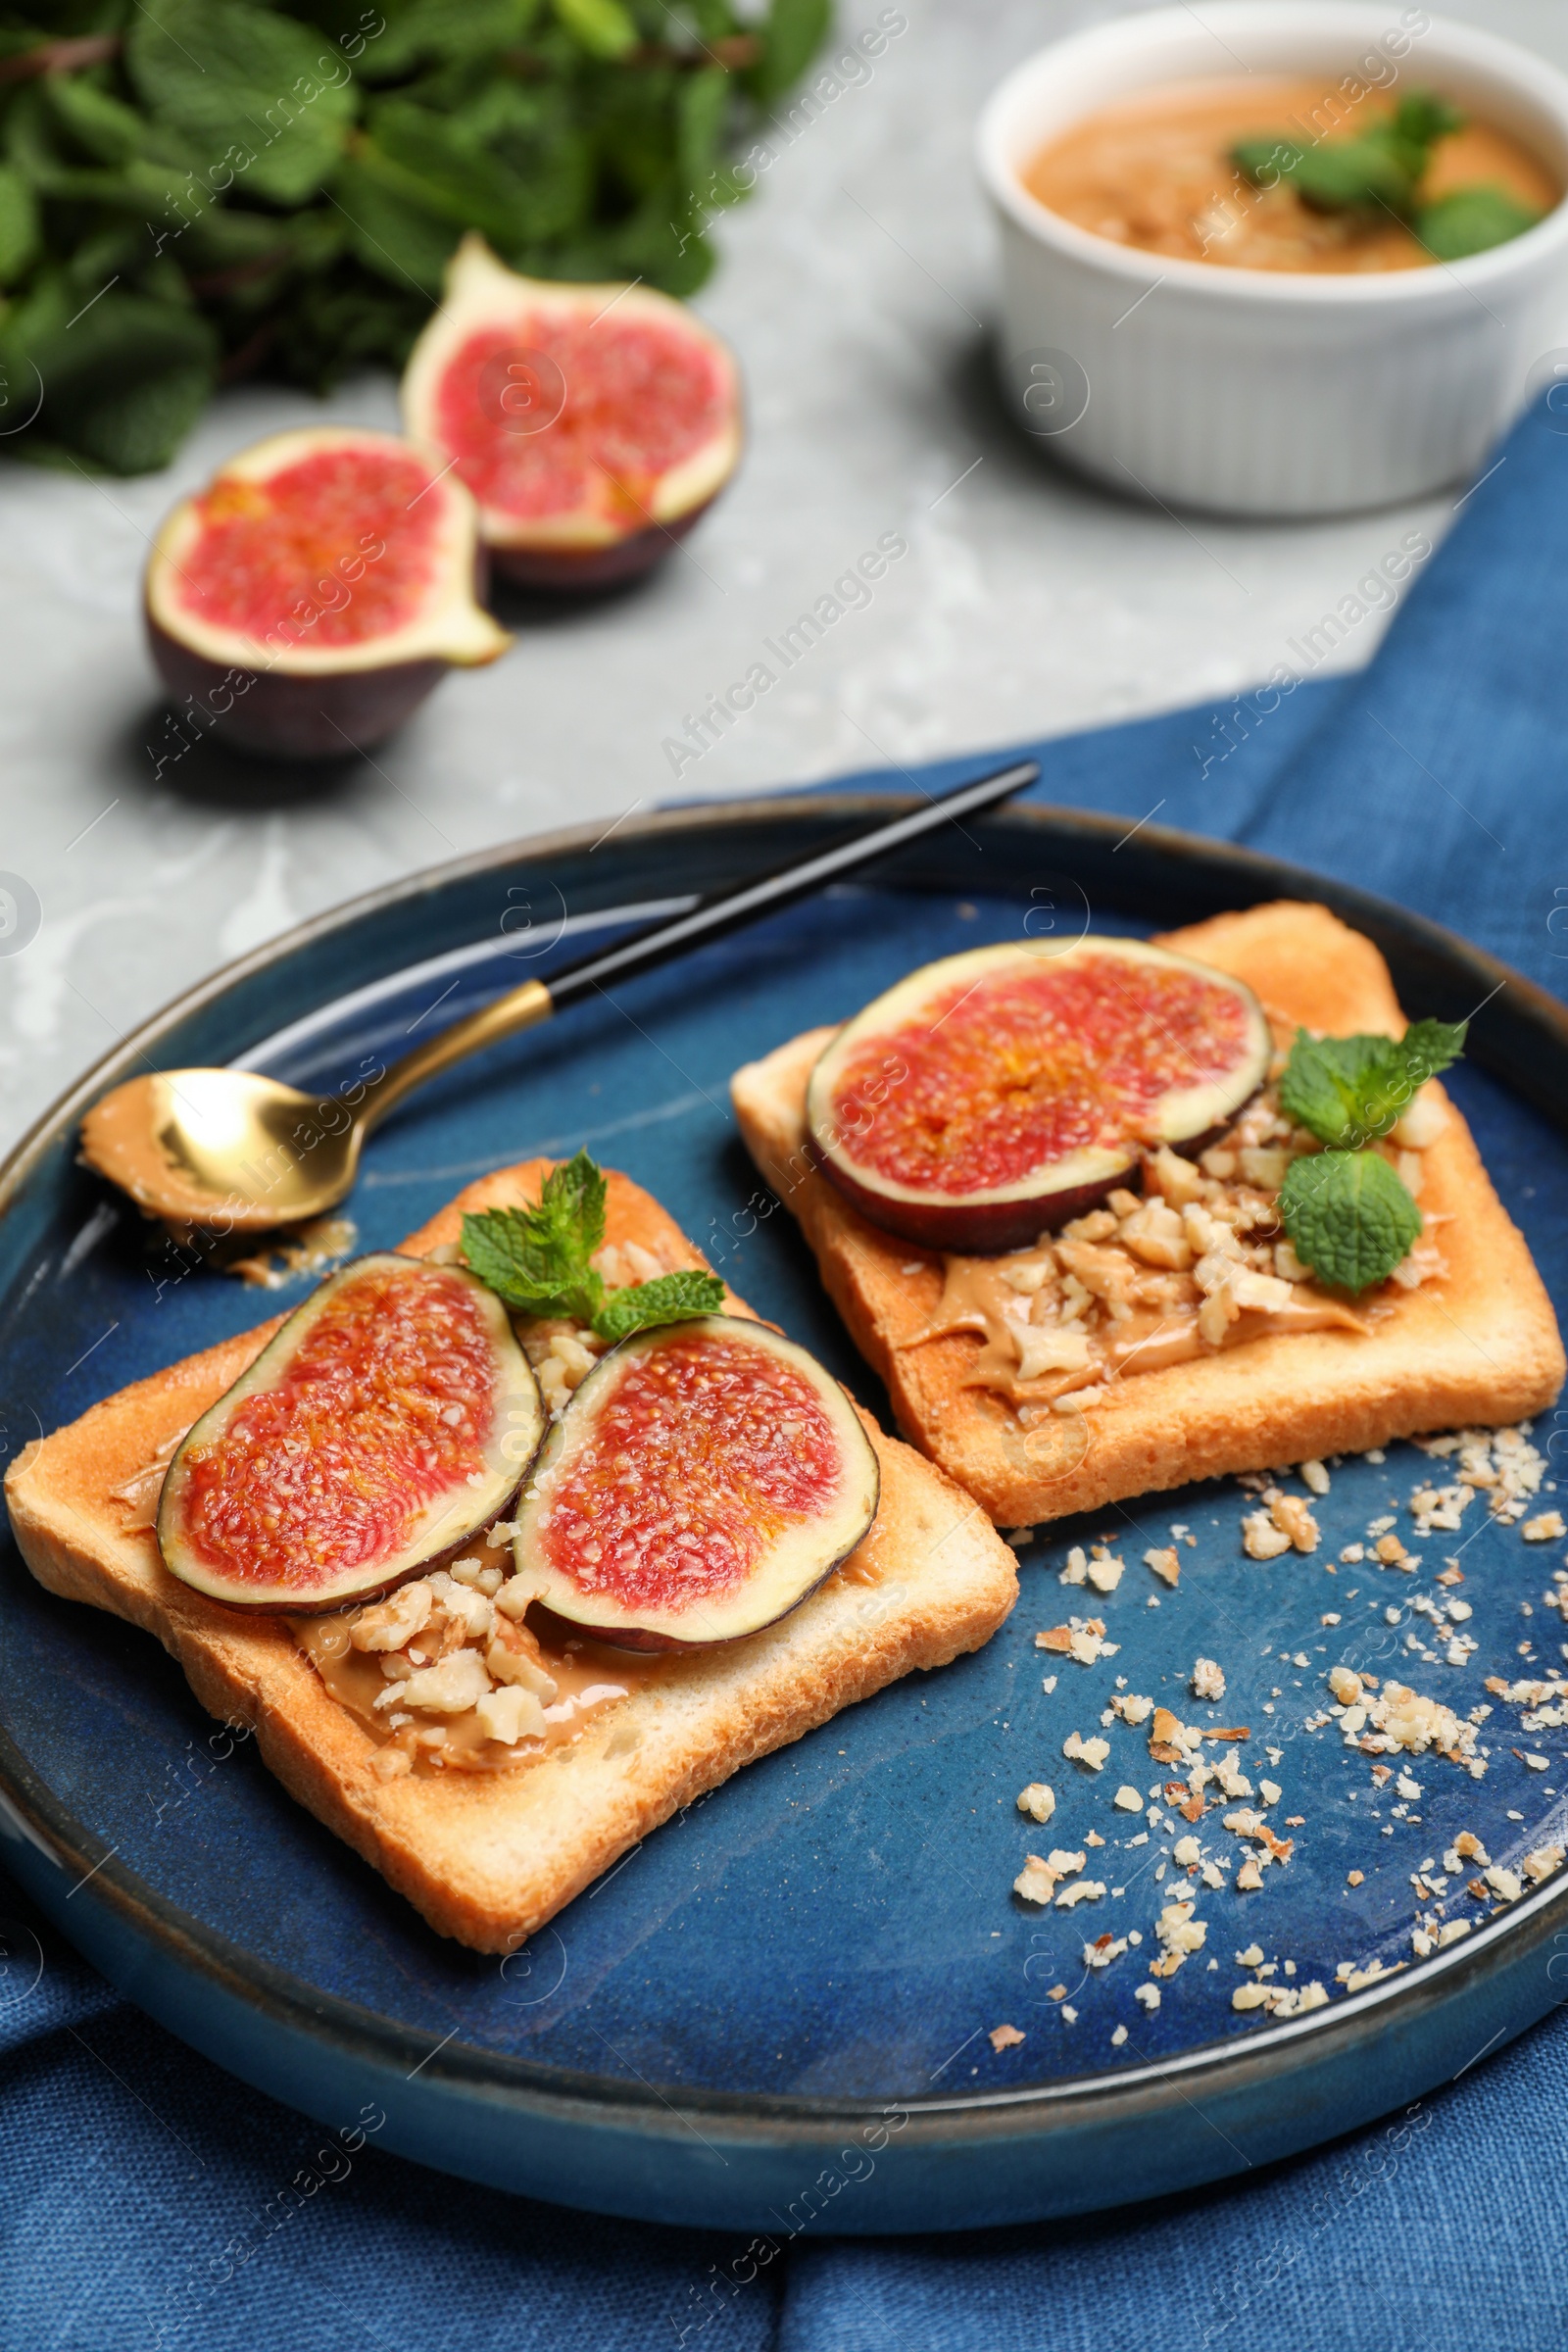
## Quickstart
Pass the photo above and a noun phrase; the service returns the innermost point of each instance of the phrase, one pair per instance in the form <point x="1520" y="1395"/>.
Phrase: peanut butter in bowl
<point x="1292" y="173"/>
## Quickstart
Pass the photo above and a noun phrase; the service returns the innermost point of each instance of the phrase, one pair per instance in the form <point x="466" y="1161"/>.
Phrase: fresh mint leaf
<point x="601" y="26"/>
<point x="792" y="32"/>
<point x="225" y="73"/>
<point x="1379" y="171"/>
<point x="19" y="230"/>
<point x="573" y="1197"/>
<point x="667" y="1298"/>
<point x="1472" y="221"/>
<point x="1420" y="121"/>
<point x="1348" y="1217"/>
<point x="106" y="131"/>
<point x="1265" y="162"/>
<point x="537" y="1259"/>
<point x="1354" y="175"/>
<point x="1349" y="1091"/>
<point x="393" y="232"/>
<point x="122" y="382"/>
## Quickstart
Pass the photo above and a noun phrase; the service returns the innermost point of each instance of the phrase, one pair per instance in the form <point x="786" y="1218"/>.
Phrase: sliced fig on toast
<point x="389" y="1420"/>
<point x="592" y="423"/>
<point x="703" y="1479"/>
<point x="994" y="1095"/>
<point x="311" y="597"/>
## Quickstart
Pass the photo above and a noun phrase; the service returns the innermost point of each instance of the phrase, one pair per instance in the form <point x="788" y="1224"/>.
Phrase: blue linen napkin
<point x="136" y="2174"/>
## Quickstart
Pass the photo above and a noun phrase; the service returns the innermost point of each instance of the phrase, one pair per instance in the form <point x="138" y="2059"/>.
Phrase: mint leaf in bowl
<point x="1472" y="221"/>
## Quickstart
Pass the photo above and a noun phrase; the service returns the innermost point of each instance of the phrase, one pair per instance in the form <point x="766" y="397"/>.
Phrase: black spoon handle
<point x="709" y="918"/>
<point x="727" y="909"/>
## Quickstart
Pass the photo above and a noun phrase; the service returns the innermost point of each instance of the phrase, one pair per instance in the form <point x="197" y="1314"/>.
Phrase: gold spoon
<point x="230" y="1151"/>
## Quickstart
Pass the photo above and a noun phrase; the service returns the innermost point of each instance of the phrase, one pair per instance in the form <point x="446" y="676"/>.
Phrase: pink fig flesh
<point x="703" y="1480"/>
<point x="388" y="1421"/>
<point x="995" y="1095"/>
<point x="593" y="424"/>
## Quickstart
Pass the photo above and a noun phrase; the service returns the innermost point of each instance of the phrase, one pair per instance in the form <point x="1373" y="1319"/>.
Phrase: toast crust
<point x="1479" y="1346"/>
<point x="487" y="1858"/>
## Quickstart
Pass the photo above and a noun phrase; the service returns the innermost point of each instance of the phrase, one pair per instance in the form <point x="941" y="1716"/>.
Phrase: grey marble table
<point x="857" y="286"/>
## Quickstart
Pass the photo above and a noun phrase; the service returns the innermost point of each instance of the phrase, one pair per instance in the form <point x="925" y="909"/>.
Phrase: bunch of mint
<point x="1348" y="1214"/>
<point x="1380" y="170"/>
<point x="537" y="1261"/>
<point x="197" y="190"/>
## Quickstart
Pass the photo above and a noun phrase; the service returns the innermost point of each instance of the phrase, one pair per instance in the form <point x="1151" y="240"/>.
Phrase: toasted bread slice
<point x="488" y="1857"/>
<point x="1479" y="1346"/>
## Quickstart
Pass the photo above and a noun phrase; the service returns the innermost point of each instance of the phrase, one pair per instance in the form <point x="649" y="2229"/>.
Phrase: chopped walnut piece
<point x="1545" y="1528"/>
<point x="1155" y="1234"/>
<point x="1181" y="1935"/>
<point x="1207" y="1680"/>
<point x="1037" y="1800"/>
<point x="1005" y="2037"/>
<point x="1261" y="1539"/>
<point x="1294" y="1520"/>
<point x="1105" y="1570"/>
<point x="392" y="1624"/>
<point x="510" y="1714"/>
<point x="457" y="1684"/>
<point x="1164" y="1562"/>
<point x="1088" y="1752"/>
<point x="1082" y="1891"/>
<point x="1036" y="1882"/>
<point x="1173" y="1178"/>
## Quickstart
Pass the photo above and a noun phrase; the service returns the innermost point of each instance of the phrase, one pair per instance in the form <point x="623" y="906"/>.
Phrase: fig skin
<point x="273" y="712"/>
<point x="568" y="571"/>
<point x="981" y="1228"/>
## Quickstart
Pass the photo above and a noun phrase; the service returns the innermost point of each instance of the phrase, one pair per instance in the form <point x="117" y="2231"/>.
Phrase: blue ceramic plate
<point x="775" y="2014"/>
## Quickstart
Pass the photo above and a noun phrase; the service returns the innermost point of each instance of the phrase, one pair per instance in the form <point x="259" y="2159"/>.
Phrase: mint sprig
<point x="1348" y="1214"/>
<point x="1380" y="173"/>
<point x="1349" y="1091"/>
<point x="1349" y="1217"/>
<point x="538" y="1262"/>
<point x="1382" y="168"/>
<point x="276" y="186"/>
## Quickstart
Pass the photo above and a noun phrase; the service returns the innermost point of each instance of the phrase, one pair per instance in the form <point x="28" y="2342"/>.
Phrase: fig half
<point x="593" y="423"/>
<point x="310" y="598"/>
<point x="388" y="1421"/>
<point x="994" y="1095"/>
<point x="703" y="1479"/>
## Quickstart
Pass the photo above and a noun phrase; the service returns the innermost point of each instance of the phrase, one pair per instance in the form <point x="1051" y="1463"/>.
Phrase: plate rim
<point x="525" y="2085"/>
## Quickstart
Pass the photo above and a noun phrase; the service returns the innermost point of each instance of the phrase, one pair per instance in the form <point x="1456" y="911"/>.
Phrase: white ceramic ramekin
<point x="1260" y="392"/>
